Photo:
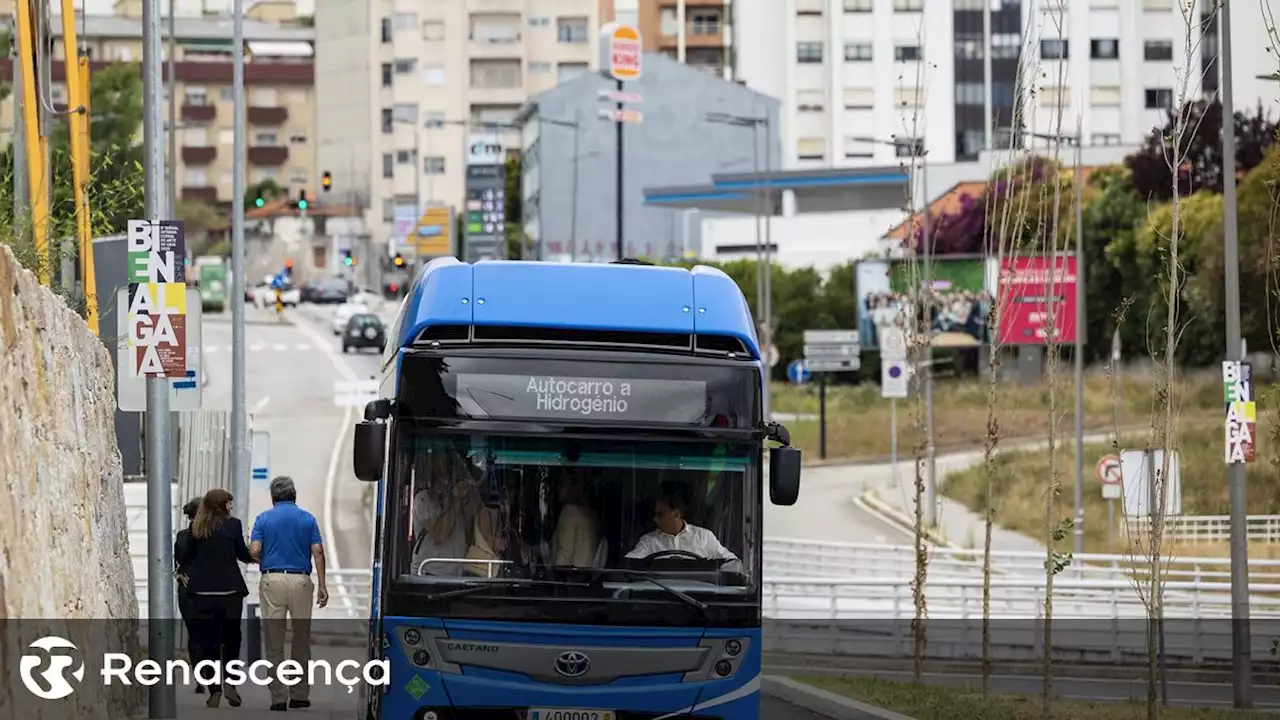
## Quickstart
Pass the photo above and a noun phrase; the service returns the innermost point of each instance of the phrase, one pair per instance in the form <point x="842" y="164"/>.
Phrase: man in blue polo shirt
<point x="285" y="541"/>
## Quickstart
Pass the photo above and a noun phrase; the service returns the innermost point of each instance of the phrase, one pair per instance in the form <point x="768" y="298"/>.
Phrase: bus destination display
<point x="634" y="400"/>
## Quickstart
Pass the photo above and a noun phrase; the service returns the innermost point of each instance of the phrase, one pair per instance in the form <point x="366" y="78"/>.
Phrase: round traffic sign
<point x="893" y="343"/>
<point x="798" y="372"/>
<point x="1108" y="470"/>
<point x="895" y="371"/>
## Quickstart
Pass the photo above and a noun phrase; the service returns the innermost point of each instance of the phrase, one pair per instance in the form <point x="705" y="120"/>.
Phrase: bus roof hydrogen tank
<point x="570" y="470"/>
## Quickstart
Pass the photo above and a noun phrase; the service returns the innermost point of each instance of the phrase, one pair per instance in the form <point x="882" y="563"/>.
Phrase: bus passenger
<point x="674" y="533"/>
<point x="443" y="511"/>
<point x="576" y="541"/>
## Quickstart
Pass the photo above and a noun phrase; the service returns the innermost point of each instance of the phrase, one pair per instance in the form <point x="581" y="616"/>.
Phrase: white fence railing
<point x="789" y="557"/>
<point x="1208" y="528"/>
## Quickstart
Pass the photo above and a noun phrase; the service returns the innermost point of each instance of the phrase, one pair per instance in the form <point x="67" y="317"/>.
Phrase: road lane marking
<point x="331" y="478"/>
<point x="278" y="347"/>
<point x="302" y="347"/>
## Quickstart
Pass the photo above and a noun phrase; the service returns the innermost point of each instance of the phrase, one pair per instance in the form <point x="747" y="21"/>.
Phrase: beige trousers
<point x="287" y="596"/>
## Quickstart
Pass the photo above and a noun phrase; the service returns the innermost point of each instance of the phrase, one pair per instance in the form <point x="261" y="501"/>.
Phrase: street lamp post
<point x="764" y="261"/>
<point x="1078" y="139"/>
<point x="930" y="509"/>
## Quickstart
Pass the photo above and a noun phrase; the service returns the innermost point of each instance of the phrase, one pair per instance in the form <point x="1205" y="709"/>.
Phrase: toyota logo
<point x="573" y="664"/>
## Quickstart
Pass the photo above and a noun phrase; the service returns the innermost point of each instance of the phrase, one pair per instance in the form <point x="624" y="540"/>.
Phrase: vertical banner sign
<point x="484" y="221"/>
<point x="157" y="310"/>
<point x="1242" y="412"/>
<point x="1023" y="294"/>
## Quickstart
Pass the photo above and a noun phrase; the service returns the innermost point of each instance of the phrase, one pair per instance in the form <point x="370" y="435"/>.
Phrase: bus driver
<point x="674" y="534"/>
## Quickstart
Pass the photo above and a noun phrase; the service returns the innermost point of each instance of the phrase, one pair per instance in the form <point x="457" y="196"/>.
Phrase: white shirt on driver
<point x="692" y="539"/>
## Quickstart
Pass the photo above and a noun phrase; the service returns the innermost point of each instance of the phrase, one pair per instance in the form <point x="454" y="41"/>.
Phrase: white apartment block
<point x="866" y="82"/>
<point x="402" y="83"/>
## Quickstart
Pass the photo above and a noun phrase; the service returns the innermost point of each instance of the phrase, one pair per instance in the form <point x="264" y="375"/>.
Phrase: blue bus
<point x="569" y="462"/>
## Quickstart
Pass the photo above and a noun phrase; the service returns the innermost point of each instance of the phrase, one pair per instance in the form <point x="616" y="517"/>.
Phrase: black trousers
<point x="187" y="610"/>
<point x="217" y="630"/>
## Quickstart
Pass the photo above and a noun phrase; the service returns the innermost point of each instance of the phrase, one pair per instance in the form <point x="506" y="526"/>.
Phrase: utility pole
<point x="619" y="123"/>
<point x="1078" y="543"/>
<point x="160" y="596"/>
<point x="239" y="414"/>
<point x="173" y="117"/>
<point x="1241" y="641"/>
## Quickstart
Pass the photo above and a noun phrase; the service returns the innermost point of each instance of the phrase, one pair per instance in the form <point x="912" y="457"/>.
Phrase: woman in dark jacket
<point x="216" y="586"/>
<point x="184" y="598"/>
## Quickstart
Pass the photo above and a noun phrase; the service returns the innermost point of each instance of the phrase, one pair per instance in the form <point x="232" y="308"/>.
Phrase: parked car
<point x="364" y="330"/>
<point x="344" y="313"/>
<point x="331" y="292"/>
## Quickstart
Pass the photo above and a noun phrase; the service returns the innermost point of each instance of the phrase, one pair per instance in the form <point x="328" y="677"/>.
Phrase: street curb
<point x="822" y="701"/>
<point x="871" y="503"/>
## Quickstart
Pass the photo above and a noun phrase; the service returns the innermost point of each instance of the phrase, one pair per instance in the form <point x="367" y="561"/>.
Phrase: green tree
<point x="267" y="189"/>
<point x="518" y="244"/>
<point x="1111" y="216"/>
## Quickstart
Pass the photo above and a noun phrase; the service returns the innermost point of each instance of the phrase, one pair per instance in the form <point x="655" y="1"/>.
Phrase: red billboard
<point x="1024" y="300"/>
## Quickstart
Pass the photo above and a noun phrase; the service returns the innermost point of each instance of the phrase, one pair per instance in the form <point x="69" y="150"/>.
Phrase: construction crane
<point x="34" y="100"/>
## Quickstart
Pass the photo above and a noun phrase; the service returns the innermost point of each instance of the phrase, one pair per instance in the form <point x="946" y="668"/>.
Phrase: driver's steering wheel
<point x="684" y="554"/>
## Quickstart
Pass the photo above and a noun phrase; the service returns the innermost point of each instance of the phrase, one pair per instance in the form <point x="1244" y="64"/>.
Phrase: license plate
<point x="569" y="714"/>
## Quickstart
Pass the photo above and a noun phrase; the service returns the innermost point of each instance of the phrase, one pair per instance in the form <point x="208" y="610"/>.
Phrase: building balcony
<point x="203" y="194"/>
<point x="272" y="155"/>
<point x="199" y="113"/>
<point x="268" y="115"/>
<point x="198" y="155"/>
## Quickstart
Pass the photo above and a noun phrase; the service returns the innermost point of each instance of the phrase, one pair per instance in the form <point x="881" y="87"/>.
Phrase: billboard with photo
<point x="1024" y="290"/>
<point x="963" y="288"/>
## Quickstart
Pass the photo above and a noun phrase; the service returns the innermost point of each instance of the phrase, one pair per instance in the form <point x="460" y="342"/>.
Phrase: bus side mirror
<point x="370" y="450"/>
<point x="784" y="475"/>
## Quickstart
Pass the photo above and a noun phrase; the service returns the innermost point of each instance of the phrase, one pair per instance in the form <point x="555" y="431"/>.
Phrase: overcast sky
<point x="186" y="7"/>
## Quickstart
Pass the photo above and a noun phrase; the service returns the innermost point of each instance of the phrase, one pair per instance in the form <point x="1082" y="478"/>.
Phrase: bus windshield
<point x="511" y="519"/>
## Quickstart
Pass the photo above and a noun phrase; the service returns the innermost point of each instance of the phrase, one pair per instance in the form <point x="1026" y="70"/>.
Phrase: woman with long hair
<point x="216" y="586"/>
<point x="180" y="574"/>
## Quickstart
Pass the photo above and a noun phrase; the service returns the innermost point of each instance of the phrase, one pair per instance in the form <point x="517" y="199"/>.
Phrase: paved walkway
<point x="957" y="524"/>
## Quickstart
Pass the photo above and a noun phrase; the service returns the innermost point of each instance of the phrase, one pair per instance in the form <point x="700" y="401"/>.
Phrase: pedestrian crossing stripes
<point x="261" y="347"/>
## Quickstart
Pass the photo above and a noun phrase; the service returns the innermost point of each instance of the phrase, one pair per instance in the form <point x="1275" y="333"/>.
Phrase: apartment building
<point x="868" y="82"/>
<point x="403" y="84"/>
<point x="279" y="85"/>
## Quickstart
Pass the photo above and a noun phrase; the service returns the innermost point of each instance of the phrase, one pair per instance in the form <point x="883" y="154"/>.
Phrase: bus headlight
<point x="421" y="658"/>
<point x="723" y="668"/>
<point x="733" y="647"/>
<point x="412" y="637"/>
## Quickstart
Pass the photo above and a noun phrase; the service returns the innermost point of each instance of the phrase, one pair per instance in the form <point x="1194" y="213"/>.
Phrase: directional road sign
<point x="620" y="97"/>
<point x="798" y="372"/>
<point x="260" y="456"/>
<point x="831" y="350"/>
<point x="354" y="393"/>
<point x="623" y="116"/>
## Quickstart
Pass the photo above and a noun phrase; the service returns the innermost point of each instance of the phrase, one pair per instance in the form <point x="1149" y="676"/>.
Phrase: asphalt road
<point x="291" y="368"/>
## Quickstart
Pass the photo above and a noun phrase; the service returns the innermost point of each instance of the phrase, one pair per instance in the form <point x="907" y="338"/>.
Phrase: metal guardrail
<point x="807" y="558"/>
<point x="1208" y="528"/>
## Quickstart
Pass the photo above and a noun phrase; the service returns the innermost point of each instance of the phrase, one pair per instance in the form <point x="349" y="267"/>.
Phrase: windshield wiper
<point x="470" y="589"/>
<point x="683" y="596"/>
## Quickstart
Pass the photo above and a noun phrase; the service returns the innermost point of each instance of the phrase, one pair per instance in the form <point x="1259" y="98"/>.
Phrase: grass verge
<point x="932" y="702"/>
<point x="1020" y="483"/>
<point x="859" y="425"/>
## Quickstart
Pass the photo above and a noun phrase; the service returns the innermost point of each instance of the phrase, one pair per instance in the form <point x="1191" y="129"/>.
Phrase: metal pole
<point x="1078" y="544"/>
<point x="1111" y="521"/>
<point x="21" y="189"/>
<point x="160" y="598"/>
<point x="618" y="122"/>
<point x="755" y="203"/>
<point x="573" y="204"/>
<point x="1240" y="635"/>
<point x="768" y="271"/>
<point x="988" y="121"/>
<point x="239" y="413"/>
<point x="822" y="416"/>
<point x="931" y="485"/>
<point x="893" y="442"/>
<point x="173" y="117"/>
<point x="419" y="169"/>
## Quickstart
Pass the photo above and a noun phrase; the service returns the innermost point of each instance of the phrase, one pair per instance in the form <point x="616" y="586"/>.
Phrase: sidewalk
<point x="958" y="526"/>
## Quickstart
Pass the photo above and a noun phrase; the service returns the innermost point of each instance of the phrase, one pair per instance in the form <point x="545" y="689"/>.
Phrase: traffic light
<point x="302" y="199"/>
<point x="347" y="259"/>
<point x="326" y="181"/>
<point x="399" y="260"/>
<point x="259" y="202"/>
